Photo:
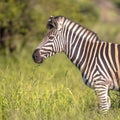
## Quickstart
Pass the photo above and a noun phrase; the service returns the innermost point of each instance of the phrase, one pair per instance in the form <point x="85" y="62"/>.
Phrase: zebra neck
<point x="78" y="43"/>
<point x="74" y="53"/>
<point x="81" y="52"/>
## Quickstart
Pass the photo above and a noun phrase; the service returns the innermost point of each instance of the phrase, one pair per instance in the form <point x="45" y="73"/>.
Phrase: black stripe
<point x="101" y="55"/>
<point x="90" y="59"/>
<point x="81" y="52"/>
<point x="72" y="47"/>
<point x="76" y="49"/>
<point x="74" y="34"/>
<point x="106" y="54"/>
<point x="113" y="54"/>
<point x="118" y="46"/>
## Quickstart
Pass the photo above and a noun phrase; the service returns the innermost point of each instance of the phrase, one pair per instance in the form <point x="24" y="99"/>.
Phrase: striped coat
<point x="98" y="61"/>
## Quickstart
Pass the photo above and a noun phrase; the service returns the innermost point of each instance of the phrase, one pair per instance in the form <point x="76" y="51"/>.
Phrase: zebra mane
<point x="52" y="23"/>
<point x="57" y="22"/>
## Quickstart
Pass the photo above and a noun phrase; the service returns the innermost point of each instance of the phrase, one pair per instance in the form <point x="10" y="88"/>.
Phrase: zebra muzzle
<point x="36" y="57"/>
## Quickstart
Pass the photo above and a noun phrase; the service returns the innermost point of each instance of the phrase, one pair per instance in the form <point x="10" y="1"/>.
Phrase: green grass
<point x="53" y="90"/>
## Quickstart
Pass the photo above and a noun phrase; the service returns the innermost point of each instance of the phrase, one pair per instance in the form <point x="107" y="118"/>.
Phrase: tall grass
<point x="53" y="90"/>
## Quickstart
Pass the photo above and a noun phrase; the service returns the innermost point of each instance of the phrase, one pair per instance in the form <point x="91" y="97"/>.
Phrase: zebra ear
<point x="52" y="23"/>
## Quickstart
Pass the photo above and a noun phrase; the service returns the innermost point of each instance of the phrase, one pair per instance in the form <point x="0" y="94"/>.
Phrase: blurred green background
<point x="53" y="90"/>
<point x="24" y="21"/>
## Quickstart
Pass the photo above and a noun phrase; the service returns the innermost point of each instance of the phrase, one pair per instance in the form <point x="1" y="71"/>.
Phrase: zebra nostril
<point x="36" y="57"/>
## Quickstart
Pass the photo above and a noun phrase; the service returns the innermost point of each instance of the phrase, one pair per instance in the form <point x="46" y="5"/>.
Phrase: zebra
<point x="98" y="61"/>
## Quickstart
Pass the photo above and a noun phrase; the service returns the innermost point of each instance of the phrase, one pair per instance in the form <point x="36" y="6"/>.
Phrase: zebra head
<point x="52" y="42"/>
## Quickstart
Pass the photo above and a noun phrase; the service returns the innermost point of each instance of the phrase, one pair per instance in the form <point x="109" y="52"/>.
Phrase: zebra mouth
<point x="37" y="58"/>
<point x="39" y="61"/>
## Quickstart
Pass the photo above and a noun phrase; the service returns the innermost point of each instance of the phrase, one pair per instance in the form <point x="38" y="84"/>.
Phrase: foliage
<point x="16" y="23"/>
<point x="22" y="21"/>
<point x="12" y="24"/>
<point x="117" y="3"/>
<point x="89" y="10"/>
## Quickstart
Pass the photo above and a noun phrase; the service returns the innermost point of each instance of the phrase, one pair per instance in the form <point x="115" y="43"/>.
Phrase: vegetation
<point x="117" y="3"/>
<point x="50" y="91"/>
<point x="53" y="90"/>
<point x="26" y="21"/>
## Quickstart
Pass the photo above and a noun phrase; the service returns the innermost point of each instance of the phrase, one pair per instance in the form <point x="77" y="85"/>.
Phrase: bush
<point x="16" y="22"/>
<point x="89" y="11"/>
<point x="117" y="3"/>
<point x="22" y="22"/>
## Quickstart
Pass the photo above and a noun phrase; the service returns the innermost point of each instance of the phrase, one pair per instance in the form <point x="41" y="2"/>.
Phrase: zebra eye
<point x="51" y="37"/>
